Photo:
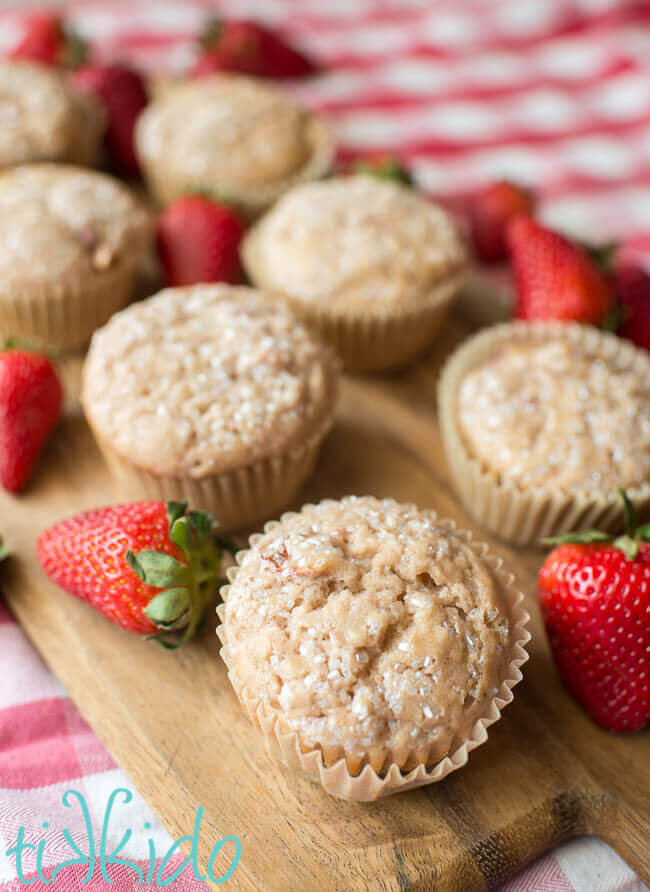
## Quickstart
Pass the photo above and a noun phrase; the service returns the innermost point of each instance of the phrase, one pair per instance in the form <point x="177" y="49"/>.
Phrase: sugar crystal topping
<point x="206" y="378"/>
<point x="366" y="623"/>
<point x="554" y="414"/>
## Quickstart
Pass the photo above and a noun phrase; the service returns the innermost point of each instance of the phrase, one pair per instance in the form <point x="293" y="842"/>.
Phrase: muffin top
<point x="354" y="243"/>
<point x="557" y="413"/>
<point x="42" y="118"/>
<point x="60" y="221"/>
<point x="205" y="379"/>
<point x="233" y="133"/>
<point x="368" y="624"/>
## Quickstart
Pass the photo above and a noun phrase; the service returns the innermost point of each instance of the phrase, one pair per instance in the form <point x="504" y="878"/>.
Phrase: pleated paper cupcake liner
<point x="525" y="515"/>
<point x="239" y="498"/>
<point x="253" y="201"/>
<point x="380" y="341"/>
<point x="344" y="775"/>
<point x="64" y="313"/>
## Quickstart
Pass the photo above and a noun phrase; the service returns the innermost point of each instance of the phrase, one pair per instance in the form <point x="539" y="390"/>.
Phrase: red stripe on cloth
<point x="434" y="147"/>
<point x="543" y="875"/>
<point x="47" y="742"/>
<point x="140" y="40"/>
<point x="401" y="99"/>
<point x="121" y="879"/>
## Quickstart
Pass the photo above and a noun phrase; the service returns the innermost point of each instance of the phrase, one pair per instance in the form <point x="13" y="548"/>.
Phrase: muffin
<point x="212" y="394"/>
<point x="369" y="263"/>
<point x="71" y="242"/>
<point x="231" y="135"/>
<point x="371" y="642"/>
<point x="43" y="118"/>
<point x="541" y="422"/>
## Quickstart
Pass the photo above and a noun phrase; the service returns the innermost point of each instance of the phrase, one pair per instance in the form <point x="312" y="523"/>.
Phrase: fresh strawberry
<point x="198" y="241"/>
<point x="489" y="211"/>
<point x="249" y="48"/>
<point x="46" y="40"/>
<point x="30" y="406"/>
<point x="632" y="287"/>
<point x="160" y="590"/>
<point x="595" y="597"/>
<point x="384" y="167"/>
<point x="555" y="278"/>
<point x="122" y="93"/>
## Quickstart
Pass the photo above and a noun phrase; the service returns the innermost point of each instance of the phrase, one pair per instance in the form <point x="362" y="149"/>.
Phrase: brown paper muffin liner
<point x="527" y="515"/>
<point x="64" y="313"/>
<point x="238" y="498"/>
<point x="250" y="202"/>
<point x="335" y="769"/>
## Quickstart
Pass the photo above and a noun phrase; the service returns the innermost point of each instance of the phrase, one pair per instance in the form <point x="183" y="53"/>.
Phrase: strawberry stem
<point x="386" y="168"/>
<point x="186" y="587"/>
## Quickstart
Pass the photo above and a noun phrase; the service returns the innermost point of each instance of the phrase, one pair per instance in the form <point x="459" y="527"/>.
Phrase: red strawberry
<point x="384" y="167"/>
<point x="489" y="212"/>
<point x="595" y="596"/>
<point x="30" y="406"/>
<point x="198" y="241"/>
<point x="122" y="93"/>
<point x="632" y="287"/>
<point x="249" y="48"/>
<point x="555" y="278"/>
<point x="45" y="40"/>
<point x="163" y="588"/>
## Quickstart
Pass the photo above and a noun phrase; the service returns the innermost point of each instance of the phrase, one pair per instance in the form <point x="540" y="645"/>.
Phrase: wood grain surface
<point x="173" y="723"/>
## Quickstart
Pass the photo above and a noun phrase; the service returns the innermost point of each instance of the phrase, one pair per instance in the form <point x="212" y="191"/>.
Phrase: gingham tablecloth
<point x="554" y="94"/>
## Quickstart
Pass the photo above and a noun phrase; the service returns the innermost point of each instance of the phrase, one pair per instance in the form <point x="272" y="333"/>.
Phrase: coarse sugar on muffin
<point x="43" y="118"/>
<point x="211" y="392"/>
<point x="372" y="630"/>
<point x="555" y="414"/>
<point x="236" y="136"/>
<point x="72" y="239"/>
<point x="542" y="422"/>
<point x="369" y="262"/>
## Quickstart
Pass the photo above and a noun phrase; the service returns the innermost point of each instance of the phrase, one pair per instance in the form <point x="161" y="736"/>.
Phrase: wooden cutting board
<point x="173" y="723"/>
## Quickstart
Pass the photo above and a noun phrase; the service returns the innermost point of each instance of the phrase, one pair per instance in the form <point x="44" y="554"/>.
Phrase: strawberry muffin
<point x="72" y="239"/>
<point x="372" y="642"/>
<point x="234" y="136"/>
<point x="369" y="263"/>
<point x="43" y="118"/>
<point x="212" y="394"/>
<point x="542" y="422"/>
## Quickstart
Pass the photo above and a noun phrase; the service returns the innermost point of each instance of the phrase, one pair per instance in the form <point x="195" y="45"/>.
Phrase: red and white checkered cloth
<point x="553" y="93"/>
